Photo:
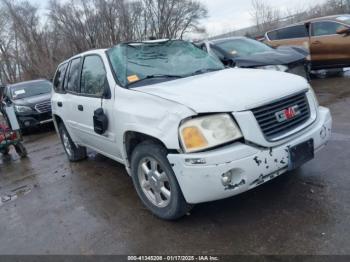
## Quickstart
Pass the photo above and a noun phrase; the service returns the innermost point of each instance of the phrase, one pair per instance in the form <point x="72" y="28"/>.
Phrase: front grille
<point x="268" y="121"/>
<point x="43" y="107"/>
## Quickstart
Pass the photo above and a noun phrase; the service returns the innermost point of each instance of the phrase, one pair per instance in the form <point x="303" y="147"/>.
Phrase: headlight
<point x="209" y="131"/>
<point x="22" y="109"/>
<point x="281" y="68"/>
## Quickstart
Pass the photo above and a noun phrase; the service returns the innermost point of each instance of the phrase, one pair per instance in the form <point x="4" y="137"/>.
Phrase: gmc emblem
<point x="287" y="114"/>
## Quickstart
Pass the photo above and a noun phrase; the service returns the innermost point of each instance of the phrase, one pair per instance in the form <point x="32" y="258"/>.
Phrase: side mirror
<point x="6" y="100"/>
<point x="229" y="62"/>
<point x="343" y="31"/>
<point x="100" y="121"/>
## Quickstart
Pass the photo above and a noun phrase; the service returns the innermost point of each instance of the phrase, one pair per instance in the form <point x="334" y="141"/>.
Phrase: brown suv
<point x="327" y="37"/>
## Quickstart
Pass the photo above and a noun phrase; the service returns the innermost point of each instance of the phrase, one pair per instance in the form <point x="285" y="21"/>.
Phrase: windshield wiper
<point x="155" y="76"/>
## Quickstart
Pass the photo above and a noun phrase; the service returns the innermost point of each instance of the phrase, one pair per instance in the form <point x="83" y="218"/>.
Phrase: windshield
<point x="243" y="47"/>
<point x="159" y="61"/>
<point x="345" y="19"/>
<point x="24" y="90"/>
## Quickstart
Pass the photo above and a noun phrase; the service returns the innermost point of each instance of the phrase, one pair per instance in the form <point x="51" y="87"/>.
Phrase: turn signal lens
<point x="193" y="138"/>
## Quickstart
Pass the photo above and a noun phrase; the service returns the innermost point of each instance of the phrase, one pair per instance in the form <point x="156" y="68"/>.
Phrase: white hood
<point x="229" y="90"/>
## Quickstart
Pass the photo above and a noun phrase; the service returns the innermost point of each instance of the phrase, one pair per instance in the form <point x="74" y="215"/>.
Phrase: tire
<point x="336" y="72"/>
<point x="74" y="153"/>
<point x="155" y="182"/>
<point x="21" y="150"/>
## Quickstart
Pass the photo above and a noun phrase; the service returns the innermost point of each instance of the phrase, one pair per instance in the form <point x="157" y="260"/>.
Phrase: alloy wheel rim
<point x="154" y="182"/>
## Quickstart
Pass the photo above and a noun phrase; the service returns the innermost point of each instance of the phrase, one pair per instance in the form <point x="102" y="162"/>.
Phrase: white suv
<point x="187" y="129"/>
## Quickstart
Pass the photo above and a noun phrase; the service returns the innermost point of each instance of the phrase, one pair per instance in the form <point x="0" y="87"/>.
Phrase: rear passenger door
<point x="69" y="101"/>
<point x="327" y="47"/>
<point x="59" y="78"/>
<point x="58" y="91"/>
<point x="93" y="83"/>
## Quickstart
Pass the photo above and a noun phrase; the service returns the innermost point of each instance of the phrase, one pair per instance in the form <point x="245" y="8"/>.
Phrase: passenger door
<point x="329" y="49"/>
<point x="58" y="94"/>
<point x="69" y="100"/>
<point x="93" y="87"/>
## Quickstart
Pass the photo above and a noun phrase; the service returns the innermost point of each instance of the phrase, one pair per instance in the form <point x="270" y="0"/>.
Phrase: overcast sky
<point x="229" y="15"/>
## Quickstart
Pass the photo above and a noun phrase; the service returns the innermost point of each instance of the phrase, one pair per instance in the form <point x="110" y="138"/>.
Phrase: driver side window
<point x="93" y="77"/>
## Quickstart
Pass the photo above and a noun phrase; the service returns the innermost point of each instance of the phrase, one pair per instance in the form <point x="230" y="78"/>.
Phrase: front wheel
<point x="74" y="153"/>
<point x="155" y="182"/>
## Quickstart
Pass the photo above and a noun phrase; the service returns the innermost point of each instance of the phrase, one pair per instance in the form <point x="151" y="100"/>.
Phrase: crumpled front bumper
<point x="200" y="175"/>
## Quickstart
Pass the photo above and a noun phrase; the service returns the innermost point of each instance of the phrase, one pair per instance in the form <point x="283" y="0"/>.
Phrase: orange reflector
<point x="193" y="138"/>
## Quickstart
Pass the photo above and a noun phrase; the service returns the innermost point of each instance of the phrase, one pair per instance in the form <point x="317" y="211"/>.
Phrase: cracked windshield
<point x="138" y="64"/>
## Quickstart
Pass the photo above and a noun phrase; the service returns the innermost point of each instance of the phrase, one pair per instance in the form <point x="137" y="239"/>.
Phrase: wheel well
<point x="133" y="139"/>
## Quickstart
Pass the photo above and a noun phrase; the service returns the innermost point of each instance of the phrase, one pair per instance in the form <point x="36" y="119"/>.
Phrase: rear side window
<point x="326" y="28"/>
<point x="93" y="77"/>
<point x="73" y="76"/>
<point x="59" y="77"/>
<point x="297" y="31"/>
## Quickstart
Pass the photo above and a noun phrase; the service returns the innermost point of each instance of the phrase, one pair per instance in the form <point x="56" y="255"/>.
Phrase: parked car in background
<point x="31" y="101"/>
<point x="187" y="129"/>
<point x="248" y="53"/>
<point x="328" y="39"/>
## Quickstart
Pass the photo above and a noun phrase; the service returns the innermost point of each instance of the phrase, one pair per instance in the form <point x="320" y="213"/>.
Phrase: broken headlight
<point x="207" y="132"/>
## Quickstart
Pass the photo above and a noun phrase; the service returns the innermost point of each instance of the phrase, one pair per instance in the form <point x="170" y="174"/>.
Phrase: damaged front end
<point x="239" y="167"/>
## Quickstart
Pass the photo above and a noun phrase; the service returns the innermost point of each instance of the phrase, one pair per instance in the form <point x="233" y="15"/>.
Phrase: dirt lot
<point x="91" y="207"/>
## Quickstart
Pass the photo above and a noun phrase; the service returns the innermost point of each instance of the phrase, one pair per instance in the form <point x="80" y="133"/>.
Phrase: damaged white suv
<point x="187" y="129"/>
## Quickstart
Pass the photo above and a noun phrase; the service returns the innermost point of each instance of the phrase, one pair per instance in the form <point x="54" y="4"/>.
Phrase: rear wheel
<point x="155" y="182"/>
<point x="74" y="153"/>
